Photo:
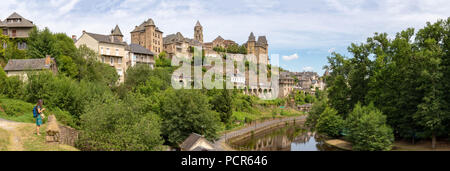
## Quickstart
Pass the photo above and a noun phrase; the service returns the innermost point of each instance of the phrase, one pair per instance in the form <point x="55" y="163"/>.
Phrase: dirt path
<point x="15" y="139"/>
<point x="222" y="145"/>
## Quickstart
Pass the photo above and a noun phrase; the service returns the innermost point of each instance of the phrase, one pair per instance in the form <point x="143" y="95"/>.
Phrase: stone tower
<point x="116" y="35"/>
<point x="198" y="32"/>
<point x="251" y="43"/>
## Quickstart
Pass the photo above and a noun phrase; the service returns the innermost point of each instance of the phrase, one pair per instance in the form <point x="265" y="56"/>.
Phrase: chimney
<point x="74" y="38"/>
<point x="84" y="31"/>
<point x="48" y="60"/>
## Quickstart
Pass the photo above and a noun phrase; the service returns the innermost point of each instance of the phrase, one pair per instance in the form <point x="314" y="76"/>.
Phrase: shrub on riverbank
<point x="368" y="130"/>
<point x="330" y="123"/>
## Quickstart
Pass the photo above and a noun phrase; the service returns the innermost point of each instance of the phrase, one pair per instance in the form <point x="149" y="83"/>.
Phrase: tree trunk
<point x="433" y="141"/>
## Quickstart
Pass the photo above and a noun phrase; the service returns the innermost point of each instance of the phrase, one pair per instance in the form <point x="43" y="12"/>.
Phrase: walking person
<point x="37" y="113"/>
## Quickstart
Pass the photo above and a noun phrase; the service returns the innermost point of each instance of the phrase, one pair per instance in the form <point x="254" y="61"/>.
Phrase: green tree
<point x="67" y="67"/>
<point x="185" y="112"/>
<point x="431" y="112"/>
<point x="367" y="129"/>
<point x="222" y="103"/>
<point x="316" y="110"/>
<point x="42" y="43"/>
<point x="120" y="126"/>
<point x="330" y="123"/>
<point x="4" y="39"/>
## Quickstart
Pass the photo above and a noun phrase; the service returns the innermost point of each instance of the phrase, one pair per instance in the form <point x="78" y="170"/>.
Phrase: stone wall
<point x="60" y="134"/>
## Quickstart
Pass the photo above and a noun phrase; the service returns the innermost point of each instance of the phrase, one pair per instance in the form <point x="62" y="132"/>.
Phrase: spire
<point x="116" y="31"/>
<point x="251" y="38"/>
<point x="198" y="24"/>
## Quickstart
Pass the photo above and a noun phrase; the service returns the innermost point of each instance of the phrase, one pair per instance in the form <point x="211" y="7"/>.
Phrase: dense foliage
<point x="330" y="123"/>
<point x="367" y="129"/>
<point x="406" y="78"/>
<point x="120" y="126"/>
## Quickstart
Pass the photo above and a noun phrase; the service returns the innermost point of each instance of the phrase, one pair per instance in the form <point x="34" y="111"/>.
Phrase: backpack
<point x="35" y="114"/>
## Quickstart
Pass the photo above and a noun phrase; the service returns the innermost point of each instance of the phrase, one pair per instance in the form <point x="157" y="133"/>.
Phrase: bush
<point x="368" y="130"/>
<point x="185" y="112"/>
<point x="330" y="123"/>
<point x="64" y="93"/>
<point x="119" y="126"/>
<point x="12" y="87"/>
<point x="317" y="109"/>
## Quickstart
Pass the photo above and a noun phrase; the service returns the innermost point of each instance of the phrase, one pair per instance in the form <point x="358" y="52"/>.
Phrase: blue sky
<point x="302" y="32"/>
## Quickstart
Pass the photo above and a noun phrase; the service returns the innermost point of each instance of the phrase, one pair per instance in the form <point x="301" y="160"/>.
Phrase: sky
<point x="301" y="32"/>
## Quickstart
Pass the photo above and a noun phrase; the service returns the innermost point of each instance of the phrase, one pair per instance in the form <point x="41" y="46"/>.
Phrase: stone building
<point x="149" y="36"/>
<point x="258" y="48"/>
<point x="198" y="32"/>
<point x="21" y="67"/>
<point x="286" y="84"/>
<point x="178" y="45"/>
<point x="111" y="48"/>
<point x="15" y="26"/>
<point x="140" y="55"/>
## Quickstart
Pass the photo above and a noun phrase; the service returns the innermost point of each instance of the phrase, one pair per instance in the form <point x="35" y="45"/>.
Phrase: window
<point x="111" y="60"/>
<point x="13" y="33"/>
<point x="5" y="31"/>
<point x="119" y="61"/>
<point x="119" y="71"/>
<point x="117" y="52"/>
<point x="107" y="51"/>
<point x="103" y="59"/>
<point x="101" y="50"/>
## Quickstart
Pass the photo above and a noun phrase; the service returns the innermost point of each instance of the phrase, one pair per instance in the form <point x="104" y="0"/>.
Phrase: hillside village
<point x="148" y="43"/>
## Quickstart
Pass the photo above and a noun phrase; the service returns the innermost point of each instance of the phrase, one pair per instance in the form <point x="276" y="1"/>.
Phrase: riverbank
<point x="222" y="143"/>
<point x="398" y="145"/>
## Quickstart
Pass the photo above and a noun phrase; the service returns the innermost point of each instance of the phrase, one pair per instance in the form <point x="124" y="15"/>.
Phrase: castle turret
<point x="116" y="35"/>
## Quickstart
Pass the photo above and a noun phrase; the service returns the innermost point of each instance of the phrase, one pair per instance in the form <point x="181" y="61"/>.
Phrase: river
<point x="286" y="138"/>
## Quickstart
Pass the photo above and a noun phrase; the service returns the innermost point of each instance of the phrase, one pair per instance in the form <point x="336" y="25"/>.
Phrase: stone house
<point x="111" y="48"/>
<point x="148" y="36"/>
<point x="178" y="45"/>
<point x="196" y="142"/>
<point x="21" y="67"/>
<point x="140" y="55"/>
<point x="15" y="26"/>
<point x="286" y="85"/>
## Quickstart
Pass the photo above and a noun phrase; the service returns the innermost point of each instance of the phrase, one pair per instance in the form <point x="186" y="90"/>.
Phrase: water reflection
<point x="288" y="138"/>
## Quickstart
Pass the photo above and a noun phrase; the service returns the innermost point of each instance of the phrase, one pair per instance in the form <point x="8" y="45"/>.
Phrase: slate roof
<point x="251" y="37"/>
<point x="179" y="38"/>
<point x="105" y="39"/>
<point x="198" y="24"/>
<point x="141" y="27"/>
<point x="135" y="48"/>
<point x="26" y="64"/>
<point x="262" y="40"/>
<point x="191" y="140"/>
<point x="116" y="31"/>
<point x="23" y="23"/>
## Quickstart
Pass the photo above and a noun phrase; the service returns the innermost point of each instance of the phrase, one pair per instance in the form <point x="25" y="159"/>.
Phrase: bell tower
<point x="198" y="32"/>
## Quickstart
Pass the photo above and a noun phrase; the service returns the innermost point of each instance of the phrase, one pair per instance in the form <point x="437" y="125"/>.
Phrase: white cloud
<point x="290" y="57"/>
<point x="331" y="50"/>
<point x="308" y="68"/>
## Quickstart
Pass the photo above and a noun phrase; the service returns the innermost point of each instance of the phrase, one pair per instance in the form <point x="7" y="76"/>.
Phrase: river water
<point x="286" y="138"/>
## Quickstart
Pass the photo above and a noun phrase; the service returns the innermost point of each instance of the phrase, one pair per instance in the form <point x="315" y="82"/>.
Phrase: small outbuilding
<point x="20" y="67"/>
<point x="196" y="142"/>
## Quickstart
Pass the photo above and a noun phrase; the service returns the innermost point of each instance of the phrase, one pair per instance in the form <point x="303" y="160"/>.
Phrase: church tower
<point x="198" y="32"/>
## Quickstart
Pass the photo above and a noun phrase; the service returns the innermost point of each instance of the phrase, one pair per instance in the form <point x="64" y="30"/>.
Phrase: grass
<point x="4" y="140"/>
<point x="33" y="142"/>
<point x="20" y="111"/>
